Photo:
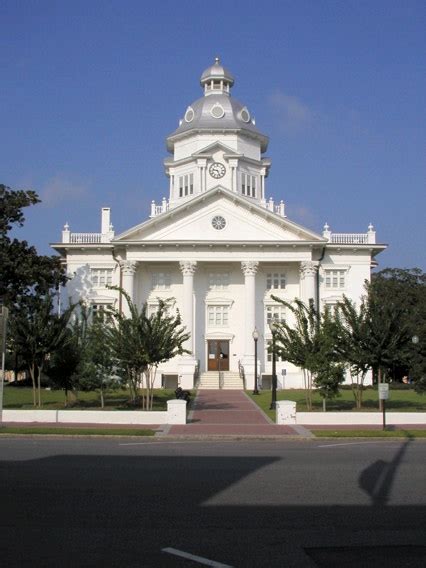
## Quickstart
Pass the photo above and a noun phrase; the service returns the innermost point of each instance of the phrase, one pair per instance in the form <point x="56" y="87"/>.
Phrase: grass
<point x="22" y="398"/>
<point x="406" y="400"/>
<point x="75" y="431"/>
<point x="370" y="433"/>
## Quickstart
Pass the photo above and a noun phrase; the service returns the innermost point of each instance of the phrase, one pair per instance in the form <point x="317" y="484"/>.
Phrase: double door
<point x="218" y="355"/>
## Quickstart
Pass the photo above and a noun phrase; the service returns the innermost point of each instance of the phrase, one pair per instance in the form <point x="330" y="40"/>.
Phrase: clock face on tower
<point x="217" y="170"/>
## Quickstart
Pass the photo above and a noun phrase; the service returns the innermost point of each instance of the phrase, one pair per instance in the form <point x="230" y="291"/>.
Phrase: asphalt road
<point x="122" y="502"/>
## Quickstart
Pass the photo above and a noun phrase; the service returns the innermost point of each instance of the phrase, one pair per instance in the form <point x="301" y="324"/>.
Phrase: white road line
<point x="165" y="443"/>
<point x="349" y="444"/>
<point x="195" y="558"/>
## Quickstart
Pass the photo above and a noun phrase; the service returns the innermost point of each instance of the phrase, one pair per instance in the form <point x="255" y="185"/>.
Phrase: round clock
<point x="217" y="170"/>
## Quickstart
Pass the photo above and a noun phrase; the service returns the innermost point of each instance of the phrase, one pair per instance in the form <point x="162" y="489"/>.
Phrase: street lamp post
<point x="255" y="335"/>
<point x="273" y="328"/>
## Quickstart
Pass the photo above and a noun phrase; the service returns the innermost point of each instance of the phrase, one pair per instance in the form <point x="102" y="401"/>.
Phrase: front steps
<point x="210" y="380"/>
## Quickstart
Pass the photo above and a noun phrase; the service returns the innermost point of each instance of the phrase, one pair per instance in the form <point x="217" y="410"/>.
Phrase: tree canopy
<point x="23" y="271"/>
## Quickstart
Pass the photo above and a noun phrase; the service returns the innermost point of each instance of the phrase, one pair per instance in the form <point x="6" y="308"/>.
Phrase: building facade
<point x="218" y="248"/>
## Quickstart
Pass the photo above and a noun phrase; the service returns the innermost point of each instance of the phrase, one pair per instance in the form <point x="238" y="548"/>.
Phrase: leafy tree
<point x="64" y="364"/>
<point x="404" y="291"/>
<point x="141" y="342"/>
<point x="308" y="343"/>
<point x="23" y="271"/>
<point x="98" y="370"/>
<point x="37" y="333"/>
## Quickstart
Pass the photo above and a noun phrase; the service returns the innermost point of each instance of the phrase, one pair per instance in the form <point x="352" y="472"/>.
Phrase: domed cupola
<point x="217" y="111"/>
<point x="216" y="79"/>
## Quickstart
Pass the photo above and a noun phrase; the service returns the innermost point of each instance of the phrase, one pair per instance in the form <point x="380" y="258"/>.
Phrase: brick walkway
<point x="228" y="412"/>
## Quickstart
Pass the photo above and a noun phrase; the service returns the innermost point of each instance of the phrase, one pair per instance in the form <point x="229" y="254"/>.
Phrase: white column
<point x="186" y="367"/>
<point x="249" y="269"/>
<point x="308" y="276"/>
<point x="188" y="268"/>
<point x="128" y="269"/>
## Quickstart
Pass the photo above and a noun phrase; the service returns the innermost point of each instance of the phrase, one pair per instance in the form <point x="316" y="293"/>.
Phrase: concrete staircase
<point x="210" y="380"/>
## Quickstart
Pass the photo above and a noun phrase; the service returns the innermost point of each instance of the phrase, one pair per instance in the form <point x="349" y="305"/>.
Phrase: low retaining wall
<point x="175" y="414"/>
<point x="286" y="414"/>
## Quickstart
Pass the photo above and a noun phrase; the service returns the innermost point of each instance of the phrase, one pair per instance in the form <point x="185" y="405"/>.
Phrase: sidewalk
<point x="232" y="413"/>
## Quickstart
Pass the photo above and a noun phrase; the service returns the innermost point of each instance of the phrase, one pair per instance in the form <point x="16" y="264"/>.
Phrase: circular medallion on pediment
<point x="218" y="222"/>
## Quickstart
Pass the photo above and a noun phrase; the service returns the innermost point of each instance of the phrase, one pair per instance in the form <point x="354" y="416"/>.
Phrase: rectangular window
<point x="153" y="308"/>
<point x="269" y="355"/>
<point x="161" y="280"/>
<point x="99" y="312"/>
<point x="275" y="281"/>
<point x="217" y="315"/>
<point x="218" y="280"/>
<point x="186" y="185"/>
<point x="335" y="279"/>
<point x="101" y="277"/>
<point x="276" y="313"/>
<point x="248" y="185"/>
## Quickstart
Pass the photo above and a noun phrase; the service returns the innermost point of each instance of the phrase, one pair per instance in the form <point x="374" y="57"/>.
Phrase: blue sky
<point x="91" y="89"/>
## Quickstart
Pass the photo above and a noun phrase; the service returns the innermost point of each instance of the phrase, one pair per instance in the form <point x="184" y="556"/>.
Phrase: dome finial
<point x="217" y="60"/>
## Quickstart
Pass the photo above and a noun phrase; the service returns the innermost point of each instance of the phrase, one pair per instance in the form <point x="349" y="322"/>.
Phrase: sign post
<point x="383" y="396"/>
<point x="3" y="326"/>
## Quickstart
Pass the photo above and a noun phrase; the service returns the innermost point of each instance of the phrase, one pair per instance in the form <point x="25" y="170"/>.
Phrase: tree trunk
<point x="102" y="397"/>
<point x="379" y="380"/>
<point x="32" y="373"/>
<point x="324" y="405"/>
<point x="39" y="386"/>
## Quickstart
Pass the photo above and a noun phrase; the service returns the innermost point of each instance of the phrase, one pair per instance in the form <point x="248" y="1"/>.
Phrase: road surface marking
<point x="348" y="444"/>
<point x="165" y="443"/>
<point x="195" y="558"/>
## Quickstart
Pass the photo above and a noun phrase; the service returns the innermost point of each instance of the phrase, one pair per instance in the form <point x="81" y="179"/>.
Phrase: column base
<point x="248" y="364"/>
<point x="186" y="371"/>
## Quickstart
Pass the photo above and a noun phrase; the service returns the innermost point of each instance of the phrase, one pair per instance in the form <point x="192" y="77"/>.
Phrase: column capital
<point x="128" y="267"/>
<point x="188" y="267"/>
<point x="308" y="268"/>
<point x="249" y="267"/>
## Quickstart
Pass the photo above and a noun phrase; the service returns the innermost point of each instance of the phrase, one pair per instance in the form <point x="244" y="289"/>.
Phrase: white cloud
<point x="60" y="189"/>
<point x="291" y="112"/>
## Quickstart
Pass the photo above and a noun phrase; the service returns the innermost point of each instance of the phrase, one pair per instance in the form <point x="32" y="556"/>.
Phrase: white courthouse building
<point x="218" y="248"/>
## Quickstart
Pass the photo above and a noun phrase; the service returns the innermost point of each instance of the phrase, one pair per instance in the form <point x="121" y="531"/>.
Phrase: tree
<point x="308" y="343"/>
<point x="98" y="370"/>
<point x="141" y="342"/>
<point x="37" y="333"/>
<point x="352" y="342"/>
<point x="23" y="271"/>
<point x="404" y="290"/>
<point x="65" y="363"/>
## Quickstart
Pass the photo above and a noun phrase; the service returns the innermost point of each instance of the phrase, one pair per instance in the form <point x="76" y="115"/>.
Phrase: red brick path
<point x="228" y="412"/>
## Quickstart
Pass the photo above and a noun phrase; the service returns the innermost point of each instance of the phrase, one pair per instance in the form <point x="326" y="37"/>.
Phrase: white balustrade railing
<point x="85" y="238"/>
<point x="349" y="238"/>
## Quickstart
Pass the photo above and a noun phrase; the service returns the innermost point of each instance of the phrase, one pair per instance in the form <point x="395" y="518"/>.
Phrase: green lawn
<point x="406" y="400"/>
<point x="407" y="434"/>
<point x="45" y="430"/>
<point x="22" y="397"/>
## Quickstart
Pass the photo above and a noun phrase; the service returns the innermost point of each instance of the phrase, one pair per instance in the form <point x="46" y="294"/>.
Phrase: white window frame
<point x="248" y="184"/>
<point x="275" y="280"/>
<point x="218" y="280"/>
<point x="335" y="278"/>
<point x="101" y="277"/>
<point x="186" y="185"/>
<point x="218" y="315"/>
<point x="275" y="312"/>
<point x="153" y="307"/>
<point x="161" y="280"/>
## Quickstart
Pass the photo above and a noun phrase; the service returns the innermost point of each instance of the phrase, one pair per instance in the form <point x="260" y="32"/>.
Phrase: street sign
<point x="383" y="391"/>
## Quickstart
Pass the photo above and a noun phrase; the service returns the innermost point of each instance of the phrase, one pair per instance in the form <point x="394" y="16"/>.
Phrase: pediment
<point x="245" y="221"/>
<point x="214" y="147"/>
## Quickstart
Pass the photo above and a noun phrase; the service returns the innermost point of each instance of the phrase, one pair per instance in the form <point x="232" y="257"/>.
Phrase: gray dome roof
<point x="216" y="71"/>
<point x="217" y="111"/>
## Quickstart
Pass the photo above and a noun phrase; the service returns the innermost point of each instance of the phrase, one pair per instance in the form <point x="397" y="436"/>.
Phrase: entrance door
<point x="218" y="355"/>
